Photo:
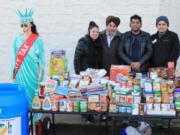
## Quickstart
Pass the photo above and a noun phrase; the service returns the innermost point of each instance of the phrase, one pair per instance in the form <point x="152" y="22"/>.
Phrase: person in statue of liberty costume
<point x="27" y="60"/>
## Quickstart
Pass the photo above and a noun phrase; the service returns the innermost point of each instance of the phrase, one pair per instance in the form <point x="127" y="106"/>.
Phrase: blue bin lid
<point x="13" y="101"/>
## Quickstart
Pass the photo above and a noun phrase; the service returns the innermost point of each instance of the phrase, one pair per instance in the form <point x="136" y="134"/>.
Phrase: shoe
<point x="92" y="119"/>
<point x="85" y="120"/>
<point x="158" y="123"/>
<point x="104" y="117"/>
<point x="125" y="123"/>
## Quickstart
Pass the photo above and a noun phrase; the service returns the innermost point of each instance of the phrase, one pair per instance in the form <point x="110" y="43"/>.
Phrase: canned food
<point x="164" y="86"/>
<point x="122" y="84"/>
<point x="141" y="109"/>
<point x="150" y="107"/>
<point x="54" y="105"/>
<point x="171" y="107"/>
<point x="157" y="107"/>
<point x="129" y="109"/>
<point x="149" y="97"/>
<point x="171" y="73"/>
<point x="137" y="99"/>
<point x="164" y="73"/>
<point x="117" y="98"/>
<point x="143" y="81"/>
<point x="61" y="82"/>
<point x="136" y="91"/>
<point x="156" y="85"/>
<point x="170" y="86"/>
<point x="42" y="89"/>
<point x="76" y="106"/>
<point x="112" y="108"/>
<point x="136" y="82"/>
<point x="157" y="97"/>
<point x="104" y="107"/>
<point x="138" y="75"/>
<point x="62" y="105"/>
<point x="66" y="75"/>
<point x="122" y="109"/>
<point x="153" y="75"/>
<point x="129" y="99"/>
<point x="165" y="98"/>
<point x="164" y="107"/>
<point x="117" y="108"/>
<point x="123" y="99"/>
<point x="69" y="106"/>
<point x="83" y="106"/>
<point x="177" y="82"/>
<point x="177" y="94"/>
<point x="135" y="109"/>
<point x="148" y="86"/>
<point x="130" y="85"/>
<point x="171" y="98"/>
<point x="177" y="102"/>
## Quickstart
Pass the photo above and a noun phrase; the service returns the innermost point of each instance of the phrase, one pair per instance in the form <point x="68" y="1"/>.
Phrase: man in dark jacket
<point x="135" y="48"/>
<point x="165" y="44"/>
<point x="110" y="39"/>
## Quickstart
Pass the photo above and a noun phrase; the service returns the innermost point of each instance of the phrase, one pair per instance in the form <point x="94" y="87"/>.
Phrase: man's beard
<point x="111" y="33"/>
<point x="136" y="30"/>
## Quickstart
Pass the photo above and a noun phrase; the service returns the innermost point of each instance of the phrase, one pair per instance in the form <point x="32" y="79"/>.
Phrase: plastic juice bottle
<point x="47" y="102"/>
<point x="36" y="104"/>
<point x="113" y="101"/>
<point x="110" y="91"/>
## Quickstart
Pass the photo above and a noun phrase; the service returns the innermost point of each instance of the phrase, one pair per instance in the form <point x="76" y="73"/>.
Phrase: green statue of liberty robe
<point x="28" y="73"/>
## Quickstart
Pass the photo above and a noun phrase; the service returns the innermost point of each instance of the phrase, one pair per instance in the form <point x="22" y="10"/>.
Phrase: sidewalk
<point x="93" y="130"/>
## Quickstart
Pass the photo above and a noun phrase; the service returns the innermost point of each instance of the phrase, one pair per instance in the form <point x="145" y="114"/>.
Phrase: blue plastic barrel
<point x="13" y="110"/>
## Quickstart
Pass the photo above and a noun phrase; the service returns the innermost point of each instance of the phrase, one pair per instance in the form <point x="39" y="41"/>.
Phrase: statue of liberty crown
<point x="26" y="16"/>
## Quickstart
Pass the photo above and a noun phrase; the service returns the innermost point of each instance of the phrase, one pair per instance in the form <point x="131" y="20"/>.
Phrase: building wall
<point x="62" y="22"/>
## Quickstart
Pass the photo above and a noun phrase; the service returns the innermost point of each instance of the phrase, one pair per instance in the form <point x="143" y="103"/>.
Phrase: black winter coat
<point x="165" y="49"/>
<point x="145" y="49"/>
<point x="88" y="54"/>
<point x="110" y="54"/>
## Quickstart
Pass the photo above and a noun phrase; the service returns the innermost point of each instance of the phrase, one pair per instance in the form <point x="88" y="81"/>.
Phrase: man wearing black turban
<point x="110" y="39"/>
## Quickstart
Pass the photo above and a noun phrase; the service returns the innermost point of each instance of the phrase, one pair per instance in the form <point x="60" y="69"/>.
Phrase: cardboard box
<point x="119" y="71"/>
<point x="104" y="107"/>
<point x="50" y="86"/>
<point x="103" y="97"/>
<point x="94" y="107"/>
<point x="112" y="108"/>
<point x="58" y="66"/>
<point x="161" y="113"/>
<point x="170" y="64"/>
<point x="93" y="98"/>
<point x="58" y="54"/>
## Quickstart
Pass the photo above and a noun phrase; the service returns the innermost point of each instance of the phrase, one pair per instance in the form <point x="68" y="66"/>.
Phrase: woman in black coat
<point x="88" y="53"/>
